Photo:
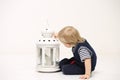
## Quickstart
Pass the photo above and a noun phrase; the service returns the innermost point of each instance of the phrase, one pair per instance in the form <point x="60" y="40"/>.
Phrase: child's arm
<point x="87" y="69"/>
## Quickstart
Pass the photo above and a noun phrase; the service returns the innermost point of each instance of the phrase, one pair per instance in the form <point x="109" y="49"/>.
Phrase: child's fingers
<point x="82" y="77"/>
<point x="55" y="35"/>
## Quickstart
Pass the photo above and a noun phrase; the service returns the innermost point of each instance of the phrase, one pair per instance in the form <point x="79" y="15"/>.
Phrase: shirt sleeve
<point x="84" y="53"/>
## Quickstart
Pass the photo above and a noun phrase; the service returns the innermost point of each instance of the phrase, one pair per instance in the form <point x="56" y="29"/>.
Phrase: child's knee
<point x="64" y="61"/>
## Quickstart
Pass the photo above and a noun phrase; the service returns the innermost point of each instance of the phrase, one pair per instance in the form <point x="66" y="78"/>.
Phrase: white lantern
<point x="48" y="52"/>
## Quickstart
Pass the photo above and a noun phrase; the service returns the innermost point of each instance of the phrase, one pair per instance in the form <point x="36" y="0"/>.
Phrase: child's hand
<point x="85" y="77"/>
<point x="55" y="35"/>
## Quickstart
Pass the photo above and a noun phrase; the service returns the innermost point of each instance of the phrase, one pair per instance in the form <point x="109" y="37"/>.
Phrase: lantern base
<point x="47" y="69"/>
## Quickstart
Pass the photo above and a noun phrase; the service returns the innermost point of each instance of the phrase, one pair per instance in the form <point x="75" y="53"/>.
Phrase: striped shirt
<point x="84" y="53"/>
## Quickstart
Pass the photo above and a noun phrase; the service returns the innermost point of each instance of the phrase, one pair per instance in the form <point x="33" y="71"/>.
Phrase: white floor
<point x="23" y="67"/>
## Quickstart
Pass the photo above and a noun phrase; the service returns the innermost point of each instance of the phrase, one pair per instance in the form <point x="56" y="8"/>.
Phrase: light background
<point x="21" y="22"/>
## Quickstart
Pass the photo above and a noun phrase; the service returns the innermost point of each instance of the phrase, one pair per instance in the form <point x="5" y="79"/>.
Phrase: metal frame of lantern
<point x="48" y="54"/>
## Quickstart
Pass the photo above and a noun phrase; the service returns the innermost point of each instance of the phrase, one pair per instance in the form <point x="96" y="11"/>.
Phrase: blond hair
<point x="70" y="35"/>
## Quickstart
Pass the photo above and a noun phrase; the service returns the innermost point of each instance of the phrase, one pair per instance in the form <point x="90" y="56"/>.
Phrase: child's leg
<point x="63" y="62"/>
<point x="72" y="69"/>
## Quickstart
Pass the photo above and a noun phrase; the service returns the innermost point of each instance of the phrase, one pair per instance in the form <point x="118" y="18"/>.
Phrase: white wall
<point x="97" y="20"/>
